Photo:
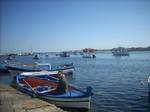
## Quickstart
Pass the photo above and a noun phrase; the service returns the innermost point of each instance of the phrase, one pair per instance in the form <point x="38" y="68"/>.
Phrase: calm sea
<point x="119" y="83"/>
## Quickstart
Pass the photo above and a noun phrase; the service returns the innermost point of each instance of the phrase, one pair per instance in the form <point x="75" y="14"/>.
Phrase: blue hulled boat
<point x="40" y="86"/>
<point x="16" y="69"/>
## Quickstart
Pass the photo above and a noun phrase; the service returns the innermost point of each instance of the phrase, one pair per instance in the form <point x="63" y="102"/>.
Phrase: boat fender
<point x="89" y="90"/>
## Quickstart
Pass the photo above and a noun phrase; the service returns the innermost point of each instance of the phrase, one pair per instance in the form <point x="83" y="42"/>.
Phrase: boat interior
<point x="44" y="86"/>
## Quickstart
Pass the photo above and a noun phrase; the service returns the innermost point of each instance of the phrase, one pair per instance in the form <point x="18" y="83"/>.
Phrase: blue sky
<point x="57" y="25"/>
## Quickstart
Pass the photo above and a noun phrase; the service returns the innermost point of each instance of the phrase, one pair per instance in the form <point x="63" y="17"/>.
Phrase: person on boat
<point x="62" y="86"/>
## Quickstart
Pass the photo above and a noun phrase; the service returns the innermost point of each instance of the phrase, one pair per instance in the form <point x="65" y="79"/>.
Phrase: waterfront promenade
<point x="12" y="100"/>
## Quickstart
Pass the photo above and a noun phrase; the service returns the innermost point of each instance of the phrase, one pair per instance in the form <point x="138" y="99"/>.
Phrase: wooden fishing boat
<point x="15" y="69"/>
<point x="41" y="88"/>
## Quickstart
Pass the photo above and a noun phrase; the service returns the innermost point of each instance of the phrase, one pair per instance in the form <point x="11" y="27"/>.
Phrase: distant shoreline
<point x="130" y="49"/>
<point x="96" y="50"/>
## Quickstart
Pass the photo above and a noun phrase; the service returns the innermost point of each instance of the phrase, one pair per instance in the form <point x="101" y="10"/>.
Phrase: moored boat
<point x="16" y="69"/>
<point x="120" y="51"/>
<point x="36" y="57"/>
<point x="88" y="55"/>
<point x="73" y="98"/>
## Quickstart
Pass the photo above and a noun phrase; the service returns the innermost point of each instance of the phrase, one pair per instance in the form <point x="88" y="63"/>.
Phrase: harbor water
<point x="119" y="83"/>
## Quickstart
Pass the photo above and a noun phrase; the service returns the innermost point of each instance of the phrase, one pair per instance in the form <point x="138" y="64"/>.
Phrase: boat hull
<point x="70" y="103"/>
<point x="14" y="71"/>
<point x="82" y="103"/>
<point x="68" y="71"/>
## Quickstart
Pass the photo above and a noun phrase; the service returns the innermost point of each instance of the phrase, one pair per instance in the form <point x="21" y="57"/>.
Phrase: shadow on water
<point x="75" y="110"/>
<point x="148" y="93"/>
<point x="5" y="78"/>
<point x="149" y="96"/>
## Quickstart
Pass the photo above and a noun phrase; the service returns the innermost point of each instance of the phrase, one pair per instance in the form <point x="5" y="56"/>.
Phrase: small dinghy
<point x="41" y="87"/>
